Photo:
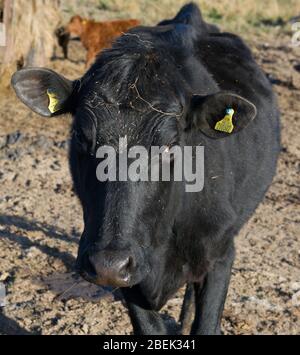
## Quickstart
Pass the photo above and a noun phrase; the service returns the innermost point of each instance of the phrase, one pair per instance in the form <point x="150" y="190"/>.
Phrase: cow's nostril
<point x="130" y="263"/>
<point x="125" y="267"/>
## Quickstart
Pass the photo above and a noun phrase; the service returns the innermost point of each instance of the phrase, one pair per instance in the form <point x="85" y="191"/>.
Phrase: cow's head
<point x="139" y="92"/>
<point x="76" y="26"/>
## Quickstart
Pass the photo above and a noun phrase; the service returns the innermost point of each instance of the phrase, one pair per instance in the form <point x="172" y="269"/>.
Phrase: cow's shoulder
<point x="224" y="44"/>
<point x="231" y="63"/>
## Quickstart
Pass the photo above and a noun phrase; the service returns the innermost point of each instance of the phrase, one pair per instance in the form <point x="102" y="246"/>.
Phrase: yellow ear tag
<point x="226" y="125"/>
<point x="53" y="102"/>
<point x="84" y="22"/>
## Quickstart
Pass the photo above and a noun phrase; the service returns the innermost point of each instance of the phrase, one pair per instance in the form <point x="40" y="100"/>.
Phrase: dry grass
<point x="250" y="18"/>
<point x="234" y="15"/>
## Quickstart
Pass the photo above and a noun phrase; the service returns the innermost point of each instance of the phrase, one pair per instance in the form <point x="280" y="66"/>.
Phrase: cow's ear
<point x="220" y="115"/>
<point x="44" y="91"/>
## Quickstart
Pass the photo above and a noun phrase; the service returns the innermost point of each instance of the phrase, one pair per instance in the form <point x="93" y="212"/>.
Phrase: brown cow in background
<point x="95" y="36"/>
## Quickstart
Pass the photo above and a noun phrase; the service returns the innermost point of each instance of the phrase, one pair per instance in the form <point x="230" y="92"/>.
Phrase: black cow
<point x="166" y="85"/>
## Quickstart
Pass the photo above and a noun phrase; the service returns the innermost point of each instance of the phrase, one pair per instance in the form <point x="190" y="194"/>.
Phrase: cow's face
<point x="129" y="225"/>
<point x="76" y="26"/>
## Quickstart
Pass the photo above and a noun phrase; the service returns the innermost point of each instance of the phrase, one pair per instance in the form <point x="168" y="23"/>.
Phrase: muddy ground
<point x="41" y="222"/>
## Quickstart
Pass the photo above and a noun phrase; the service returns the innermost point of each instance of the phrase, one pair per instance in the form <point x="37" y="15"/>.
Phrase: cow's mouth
<point x="101" y="281"/>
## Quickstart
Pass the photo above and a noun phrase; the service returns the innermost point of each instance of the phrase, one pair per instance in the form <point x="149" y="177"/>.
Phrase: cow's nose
<point x="111" y="269"/>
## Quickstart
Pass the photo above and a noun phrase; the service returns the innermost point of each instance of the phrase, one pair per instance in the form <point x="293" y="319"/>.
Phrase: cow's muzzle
<point x="108" y="268"/>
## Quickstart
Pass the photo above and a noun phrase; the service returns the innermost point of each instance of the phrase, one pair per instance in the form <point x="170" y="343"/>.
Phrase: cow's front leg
<point x="188" y="309"/>
<point x="146" y="322"/>
<point x="210" y="298"/>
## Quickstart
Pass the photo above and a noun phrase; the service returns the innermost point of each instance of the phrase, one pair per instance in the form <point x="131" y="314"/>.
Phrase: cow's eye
<point x="172" y="143"/>
<point x="81" y="143"/>
<point x="168" y="152"/>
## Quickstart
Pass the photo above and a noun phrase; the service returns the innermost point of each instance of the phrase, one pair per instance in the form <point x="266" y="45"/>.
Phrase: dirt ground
<point x="41" y="222"/>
